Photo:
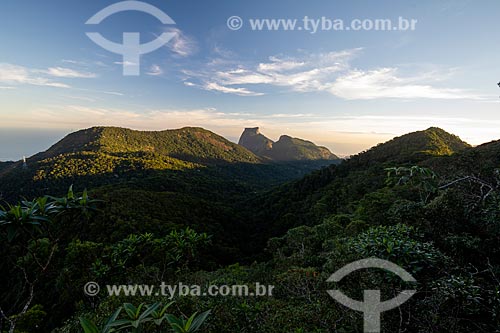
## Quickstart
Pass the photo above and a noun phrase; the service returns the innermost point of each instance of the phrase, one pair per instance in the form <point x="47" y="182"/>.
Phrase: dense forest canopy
<point x="189" y="206"/>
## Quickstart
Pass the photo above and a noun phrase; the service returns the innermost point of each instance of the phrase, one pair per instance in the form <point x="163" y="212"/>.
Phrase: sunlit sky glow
<point x="345" y="90"/>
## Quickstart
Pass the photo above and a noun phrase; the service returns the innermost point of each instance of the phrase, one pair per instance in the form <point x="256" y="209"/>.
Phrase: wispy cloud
<point x="87" y="65"/>
<point x="330" y="72"/>
<point x="155" y="70"/>
<point x="228" y="90"/>
<point x="309" y="72"/>
<point x="105" y="92"/>
<point x="279" y="65"/>
<point x="13" y="74"/>
<point x="182" y="44"/>
<point x="214" y="86"/>
<point x="69" y="73"/>
<point x="125" y="63"/>
<point x="77" y="116"/>
<point x="80" y="98"/>
<point x="69" y="61"/>
<point x="114" y="93"/>
<point x="386" y="83"/>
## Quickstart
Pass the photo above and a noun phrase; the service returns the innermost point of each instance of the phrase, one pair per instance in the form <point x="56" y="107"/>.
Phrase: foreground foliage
<point x="152" y="319"/>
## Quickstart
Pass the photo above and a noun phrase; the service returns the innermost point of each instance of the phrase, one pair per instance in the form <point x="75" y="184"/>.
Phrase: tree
<point x="32" y="228"/>
<point x="423" y="179"/>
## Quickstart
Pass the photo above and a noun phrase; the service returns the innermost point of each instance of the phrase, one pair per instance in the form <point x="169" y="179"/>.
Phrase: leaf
<point x="130" y="309"/>
<point x="177" y="328"/>
<point x="121" y="323"/>
<point x="190" y="321"/>
<point x="173" y="320"/>
<point x="71" y="194"/>
<point x="165" y="308"/>
<point x="11" y="233"/>
<point x="149" y="310"/>
<point x="198" y="321"/>
<point x="112" y="320"/>
<point x="138" y="311"/>
<point x="88" y="326"/>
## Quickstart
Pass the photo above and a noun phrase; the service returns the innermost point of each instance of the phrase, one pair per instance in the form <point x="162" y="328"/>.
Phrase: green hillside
<point x="201" y="177"/>
<point x="426" y="201"/>
<point x="189" y="143"/>
<point x="294" y="149"/>
<point x="414" y="147"/>
<point x="109" y="155"/>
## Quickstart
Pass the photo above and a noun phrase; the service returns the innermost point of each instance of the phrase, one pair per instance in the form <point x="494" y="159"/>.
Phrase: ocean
<point x="16" y="143"/>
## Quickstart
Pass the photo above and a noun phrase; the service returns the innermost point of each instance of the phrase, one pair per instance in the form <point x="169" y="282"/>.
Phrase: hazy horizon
<point x="17" y="143"/>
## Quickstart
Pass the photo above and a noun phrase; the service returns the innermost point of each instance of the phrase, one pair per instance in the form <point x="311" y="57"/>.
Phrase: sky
<point x="347" y="90"/>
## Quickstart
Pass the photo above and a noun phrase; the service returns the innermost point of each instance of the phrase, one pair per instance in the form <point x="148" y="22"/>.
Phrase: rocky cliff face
<point x="285" y="149"/>
<point x="254" y="141"/>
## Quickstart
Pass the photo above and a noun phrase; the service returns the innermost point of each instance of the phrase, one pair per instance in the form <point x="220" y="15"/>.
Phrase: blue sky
<point x="347" y="90"/>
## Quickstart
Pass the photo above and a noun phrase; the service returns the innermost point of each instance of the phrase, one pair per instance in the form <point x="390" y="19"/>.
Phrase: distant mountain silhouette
<point x="285" y="149"/>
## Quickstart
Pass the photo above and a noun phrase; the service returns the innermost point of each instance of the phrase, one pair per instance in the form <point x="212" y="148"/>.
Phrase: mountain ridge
<point x="285" y="149"/>
<point x="414" y="146"/>
<point x="99" y="156"/>
<point x="192" y="143"/>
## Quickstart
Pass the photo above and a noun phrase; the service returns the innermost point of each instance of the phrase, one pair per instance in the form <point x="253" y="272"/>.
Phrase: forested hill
<point x="98" y="156"/>
<point x="414" y="146"/>
<point x="333" y="190"/>
<point x="190" y="143"/>
<point x="4" y="165"/>
<point x="192" y="176"/>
